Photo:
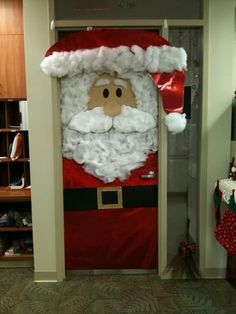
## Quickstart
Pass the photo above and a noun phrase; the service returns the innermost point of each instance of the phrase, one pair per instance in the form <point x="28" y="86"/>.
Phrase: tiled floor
<point x="113" y="294"/>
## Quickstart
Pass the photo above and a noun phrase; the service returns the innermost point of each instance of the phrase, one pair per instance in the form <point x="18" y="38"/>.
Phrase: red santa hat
<point x="121" y="51"/>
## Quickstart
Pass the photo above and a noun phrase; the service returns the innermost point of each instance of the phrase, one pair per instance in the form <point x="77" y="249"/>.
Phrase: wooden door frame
<point x="163" y="27"/>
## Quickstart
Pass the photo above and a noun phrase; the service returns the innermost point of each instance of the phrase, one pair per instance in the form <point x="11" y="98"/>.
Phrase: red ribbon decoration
<point x="171" y="86"/>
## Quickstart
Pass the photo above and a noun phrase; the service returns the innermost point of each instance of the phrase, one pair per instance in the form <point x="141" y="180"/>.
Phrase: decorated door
<point x="109" y="81"/>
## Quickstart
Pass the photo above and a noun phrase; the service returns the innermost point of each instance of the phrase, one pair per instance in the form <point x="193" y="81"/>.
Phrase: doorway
<point x="185" y="190"/>
<point x="183" y="149"/>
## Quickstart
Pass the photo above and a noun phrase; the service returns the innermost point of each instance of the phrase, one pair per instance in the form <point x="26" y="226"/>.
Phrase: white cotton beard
<point x="133" y="120"/>
<point x="91" y="121"/>
<point x="129" y="120"/>
<point x="109" y="155"/>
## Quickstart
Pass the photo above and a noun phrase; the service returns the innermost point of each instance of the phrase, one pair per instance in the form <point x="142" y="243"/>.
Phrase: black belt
<point x="110" y="197"/>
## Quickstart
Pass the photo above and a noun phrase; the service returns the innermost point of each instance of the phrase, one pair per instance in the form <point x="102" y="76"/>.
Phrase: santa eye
<point x="118" y="92"/>
<point x="105" y="93"/>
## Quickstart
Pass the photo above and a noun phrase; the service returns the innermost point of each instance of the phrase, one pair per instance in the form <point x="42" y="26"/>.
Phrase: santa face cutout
<point x="112" y="104"/>
<point x="114" y="131"/>
<point x="111" y="93"/>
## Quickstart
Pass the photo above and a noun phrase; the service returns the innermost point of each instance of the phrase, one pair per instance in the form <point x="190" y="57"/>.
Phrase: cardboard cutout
<point x="111" y="93"/>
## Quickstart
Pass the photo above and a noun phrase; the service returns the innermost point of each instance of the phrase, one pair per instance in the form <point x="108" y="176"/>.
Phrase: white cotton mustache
<point x="129" y="120"/>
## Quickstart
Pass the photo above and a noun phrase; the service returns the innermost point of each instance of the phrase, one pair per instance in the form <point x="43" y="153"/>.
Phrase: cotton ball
<point x="175" y="122"/>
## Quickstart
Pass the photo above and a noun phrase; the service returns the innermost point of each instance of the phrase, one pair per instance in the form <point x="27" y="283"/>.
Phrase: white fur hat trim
<point x="120" y="60"/>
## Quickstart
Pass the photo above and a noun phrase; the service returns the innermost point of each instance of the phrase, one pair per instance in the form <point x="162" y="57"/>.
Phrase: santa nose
<point x="112" y="109"/>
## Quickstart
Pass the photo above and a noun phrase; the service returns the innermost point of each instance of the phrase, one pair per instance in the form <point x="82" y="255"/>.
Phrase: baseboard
<point x="214" y="273"/>
<point x="45" y="276"/>
<point x="112" y="272"/>
<point x="207" y="273"/>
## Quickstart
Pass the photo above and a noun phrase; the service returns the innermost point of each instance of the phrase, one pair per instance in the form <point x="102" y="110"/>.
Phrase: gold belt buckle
<point x="100" y="201"/>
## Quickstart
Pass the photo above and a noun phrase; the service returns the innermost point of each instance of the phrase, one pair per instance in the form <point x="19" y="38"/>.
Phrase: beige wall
<point x="233" y="143"/>
<point x="217" y="88"/>
<point x="45" y="137"/>
<point x="45" y="146"/>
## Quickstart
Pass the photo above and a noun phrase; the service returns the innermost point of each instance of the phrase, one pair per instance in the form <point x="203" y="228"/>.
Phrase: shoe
<point x="14" y="218"/>
<point x="3" y="220"/>
<point x="16" y="149"/>
<point x="13" y="250"/>
<point x="17" y="184"/>
<point x="26" y="219"/>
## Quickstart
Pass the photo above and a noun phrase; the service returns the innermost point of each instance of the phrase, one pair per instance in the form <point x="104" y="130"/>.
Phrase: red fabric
<point x="111" y="239"/>
<point x="114" y="238"/>
<point x="74" y="175"/>
<point x="110" y="38"/>
<point x="225" y="232"/>
<point x="171" y="87"/>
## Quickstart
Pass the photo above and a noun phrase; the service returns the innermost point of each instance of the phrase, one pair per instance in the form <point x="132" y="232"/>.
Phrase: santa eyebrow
<point x="102" y="82"/>
<point x="120" y="82"/>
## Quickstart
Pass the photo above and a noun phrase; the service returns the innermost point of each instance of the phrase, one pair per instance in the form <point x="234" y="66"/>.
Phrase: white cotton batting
<point x="121" y="60"/>
<point x="109" y="155"/>
<point x="175" y="122"/>
<point x="91" y="121"/>
<point x="133" y="120"/>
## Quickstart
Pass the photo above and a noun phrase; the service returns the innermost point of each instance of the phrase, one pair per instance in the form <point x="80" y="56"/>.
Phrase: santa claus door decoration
<point x="109" y="80"/>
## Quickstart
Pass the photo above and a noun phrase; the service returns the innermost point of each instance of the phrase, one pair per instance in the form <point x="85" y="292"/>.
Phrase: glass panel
<point x="183" y="149"/>
<point x="128" y="9"/>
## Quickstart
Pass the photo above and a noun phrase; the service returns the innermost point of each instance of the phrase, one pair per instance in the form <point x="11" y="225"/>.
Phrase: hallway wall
<point x="44" y="128"/>
<point x="218" y="72"/>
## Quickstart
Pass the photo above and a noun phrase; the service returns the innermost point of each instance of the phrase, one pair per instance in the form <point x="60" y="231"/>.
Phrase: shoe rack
<point x="14" y="147"/>
<point x="15" y="192"/>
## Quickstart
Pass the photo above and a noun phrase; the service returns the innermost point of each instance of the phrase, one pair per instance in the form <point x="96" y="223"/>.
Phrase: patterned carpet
<point x="113" y="294"/>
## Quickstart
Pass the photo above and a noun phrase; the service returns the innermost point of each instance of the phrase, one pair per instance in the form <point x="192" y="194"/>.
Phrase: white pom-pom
<point x="233" y="169"/>
<point x="175" y="122"/>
